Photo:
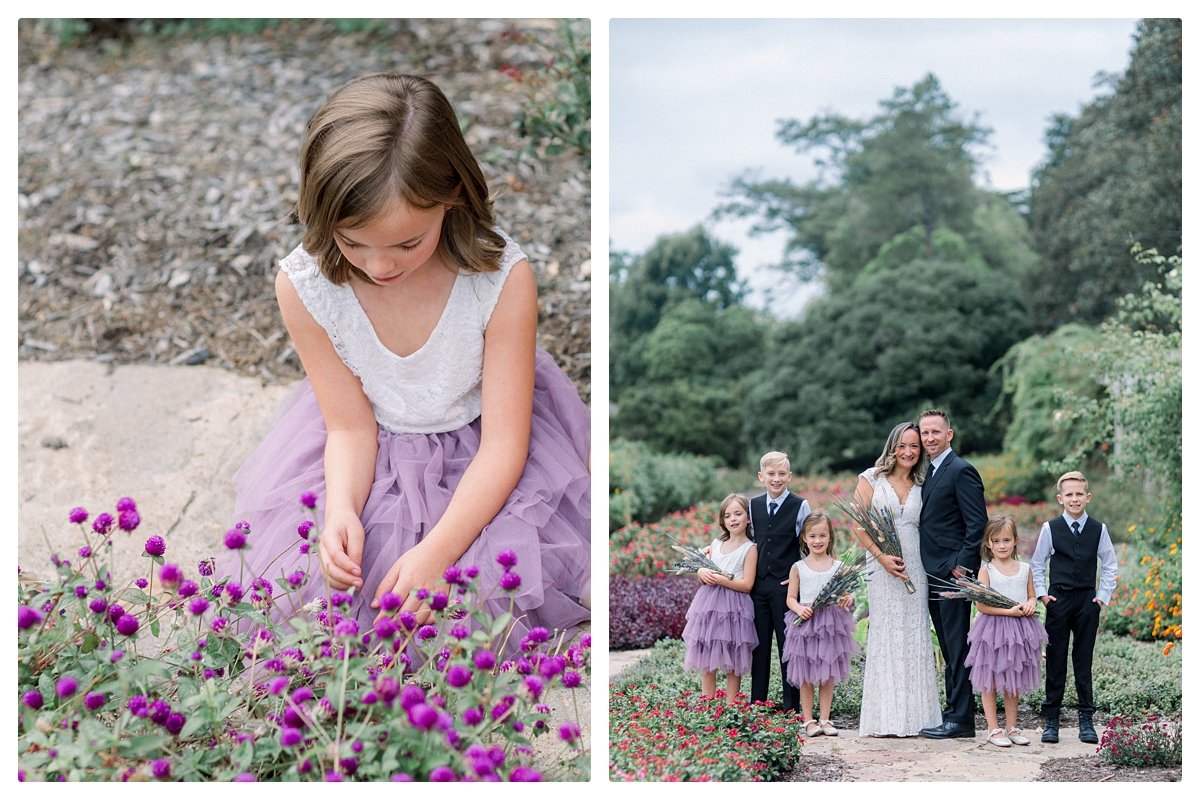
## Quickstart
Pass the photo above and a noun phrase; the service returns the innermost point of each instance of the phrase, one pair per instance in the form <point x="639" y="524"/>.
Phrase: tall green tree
<point x="900" y="339"/>
<point x="909" y="168"/>
<point x="1113" y="177"/>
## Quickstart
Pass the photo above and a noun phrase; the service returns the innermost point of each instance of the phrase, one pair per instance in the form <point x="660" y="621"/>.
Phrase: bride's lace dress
<point x="899" y="688"/>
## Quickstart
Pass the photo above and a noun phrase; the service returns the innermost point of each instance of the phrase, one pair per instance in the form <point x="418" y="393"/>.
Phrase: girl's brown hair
<point x="384" y="138"/>
<point x="811" y="521"/>
<point x="995" y="525"/>
<point x="729" y="500"/>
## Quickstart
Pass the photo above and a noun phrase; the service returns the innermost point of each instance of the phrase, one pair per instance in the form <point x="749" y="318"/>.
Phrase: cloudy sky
<point x="694" y="103"/>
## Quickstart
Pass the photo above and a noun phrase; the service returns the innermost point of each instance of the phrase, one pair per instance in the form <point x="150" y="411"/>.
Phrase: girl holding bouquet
<point x="819" y="642"/>
<point x="1006" y="643"/>
<point x="720" y="621"/>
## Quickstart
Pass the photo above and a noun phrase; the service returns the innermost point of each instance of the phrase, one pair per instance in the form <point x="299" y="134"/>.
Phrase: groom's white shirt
<point x="942" y="456"/>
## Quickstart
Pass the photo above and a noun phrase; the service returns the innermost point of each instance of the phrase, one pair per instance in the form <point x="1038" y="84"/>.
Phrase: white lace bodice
<point x="438" y="387"/>
<point x="812" y="582"/>
<point x="730" y="562"/>
<point x="1014" y="587"/>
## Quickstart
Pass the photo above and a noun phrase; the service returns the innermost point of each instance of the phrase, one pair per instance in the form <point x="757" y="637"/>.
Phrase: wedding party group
<point x="929" y="553"/>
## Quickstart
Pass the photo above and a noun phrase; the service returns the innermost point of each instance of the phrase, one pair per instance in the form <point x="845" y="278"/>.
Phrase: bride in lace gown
<point x="900" y="693"/>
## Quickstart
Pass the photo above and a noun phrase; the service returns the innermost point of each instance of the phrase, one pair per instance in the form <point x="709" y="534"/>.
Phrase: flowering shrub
<point x="557" y="115"/>
<point x="643" y="610"/>
<point x="665" y="736"/>
<point x="226" y="693"/>
<point x="1128" y="677"/>
<point x="644" y="484"/>
<point x="1130" y="741"/>
<point x="1148" y="601"/>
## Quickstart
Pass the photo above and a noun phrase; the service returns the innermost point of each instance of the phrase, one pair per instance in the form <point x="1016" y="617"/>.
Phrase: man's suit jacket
<point x="953" y="515"/>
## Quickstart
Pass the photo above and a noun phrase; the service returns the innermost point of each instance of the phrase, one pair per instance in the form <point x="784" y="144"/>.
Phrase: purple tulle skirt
<point x="720" y="631"/>
<point x="545" y="521"/>
<point x="1005" y="654"/>
<point x="819" y="649"/>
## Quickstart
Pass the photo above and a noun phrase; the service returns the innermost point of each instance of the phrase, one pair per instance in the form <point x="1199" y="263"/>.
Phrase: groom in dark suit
<point x="953" y="515"/>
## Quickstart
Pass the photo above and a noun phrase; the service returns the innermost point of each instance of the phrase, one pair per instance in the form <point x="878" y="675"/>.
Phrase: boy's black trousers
<point x="1071" y="615"/>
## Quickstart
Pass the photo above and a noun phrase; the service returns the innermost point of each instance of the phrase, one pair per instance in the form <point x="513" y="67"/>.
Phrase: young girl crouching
<point x="720" y="621"/>
<point x="819" y="643"/>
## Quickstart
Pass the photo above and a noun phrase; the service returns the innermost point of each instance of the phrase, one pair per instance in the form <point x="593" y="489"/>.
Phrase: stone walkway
<point x="953" y="760"/>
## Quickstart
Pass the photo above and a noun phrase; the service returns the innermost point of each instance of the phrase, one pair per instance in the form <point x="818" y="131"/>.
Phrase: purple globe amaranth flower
<point x="219" y="624"/>
<point x="296" y="579"/>
<point x="116" y="656"/>
<point x="369" y="698"/>
<point x="93" y="700"/>
<point x="309" y="500"/>
<point x="346" y="628"/>
<point x="550" y="667"/>
<point x="155" y="546"/>
<point x="571" y="679"/>
<point x="339" y="599"/>
<point x="142" y="583"/>
<point x="79" y="515"/>
<point x="27" y="617"/>
<point x="160" y="710"/>
<point x="188" y="588"/>
<point x="206" y="567"/>
<point x="170" y="574"/>
<point x="233" y="592"/>
<point x="302" y="694"/>
<point x="161" y="768"/>
<point x="453" y="575"/>
<point x="410" y="696"/>
<point x="458" y="676"/>
<point x="175" y="722"/>
<point x="507" y="559"/>
<point x="510" y="581"/>
<point x="407" y="619"/>
<point x="569" y="732"/>
<point x="427" y="632"/>
<point x="98" y="606"/>
<point x="525" y="775"/>
<point x="102" y="524"/>
<point x="460" y="631"/>
<point x="277" y="684"/>
<point x="439" y="601"/>
<point x="304" y="528"/>
<point x="235" y="539"/>
<point x="484" y="659"/>
<point x="290" y="737"/>
<point x="138" y="705"/>
<point x="129" y="520"/>
<point x="535" y="686"/>
<point x="81" y="591"/>
<point x="126" y="504"/>
<point x="33" y="699"/>
<point x="389" y="601"/>
<point x="85" y="552"/>
<point x="304" y="548"/>
<point x="66" y="686"/>
<point x="100" y="585"/>
<point x="386" y="628"/>
<point x="472" y="716"/>
<point x="442" y="774"/>
<point x="127" y="625"/>
<point x="245" y="777"/>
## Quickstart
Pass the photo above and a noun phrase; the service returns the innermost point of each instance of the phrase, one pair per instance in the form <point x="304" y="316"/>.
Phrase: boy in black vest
<point x="1071" y="543"/>
<point x="775" y="520"/>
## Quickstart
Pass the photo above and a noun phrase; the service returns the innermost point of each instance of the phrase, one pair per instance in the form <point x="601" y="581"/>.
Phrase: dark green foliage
<point x="908" y="170"/>
<point x="1113" y="177"/>
<point x="644" y="485"/>
<point x="558" y="115"/>
<point x="879" y="352"/>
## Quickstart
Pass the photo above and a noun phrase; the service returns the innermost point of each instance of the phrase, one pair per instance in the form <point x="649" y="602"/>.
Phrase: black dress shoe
<point x="949" y="730"/>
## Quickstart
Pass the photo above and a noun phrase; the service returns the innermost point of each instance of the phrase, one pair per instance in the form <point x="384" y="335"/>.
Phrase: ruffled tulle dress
<point x="819" y="649"/>
<point x="427" y="406"/>
<point x="1005" y="653"/>
<point x="719" y="633"/>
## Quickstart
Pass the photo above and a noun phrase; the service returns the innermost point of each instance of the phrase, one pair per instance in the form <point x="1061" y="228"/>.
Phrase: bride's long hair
<point x="886" y="463"/>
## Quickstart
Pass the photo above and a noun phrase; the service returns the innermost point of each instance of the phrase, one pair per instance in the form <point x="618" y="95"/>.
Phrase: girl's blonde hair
<point x="384" y="138"/>
<point x="811" y="521"/>
<point x="993" y="526"/>
<point x="729" y="500"/>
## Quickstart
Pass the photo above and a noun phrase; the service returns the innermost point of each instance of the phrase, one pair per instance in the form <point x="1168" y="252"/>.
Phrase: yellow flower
<point x="1132" y="528"/>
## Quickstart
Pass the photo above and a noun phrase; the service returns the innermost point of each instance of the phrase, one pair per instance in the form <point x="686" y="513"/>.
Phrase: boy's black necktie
<point x="771" y="509"/>
<point x="1075" y="527"/>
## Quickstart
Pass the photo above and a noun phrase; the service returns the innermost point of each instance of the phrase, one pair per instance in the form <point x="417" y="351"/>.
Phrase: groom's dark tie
<point x="932" y="468"/>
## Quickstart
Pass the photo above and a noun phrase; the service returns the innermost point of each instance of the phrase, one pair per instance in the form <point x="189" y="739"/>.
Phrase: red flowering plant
<point x="1132" y="741"/>
<point x="224" y="692"/>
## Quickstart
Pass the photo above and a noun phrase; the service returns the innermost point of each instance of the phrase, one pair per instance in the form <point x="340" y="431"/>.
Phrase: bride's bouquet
<point x="970" y="589"/>
<point x="694" y="560"/>
<point x="879" y="525"/>
<point x="844" y="581"/>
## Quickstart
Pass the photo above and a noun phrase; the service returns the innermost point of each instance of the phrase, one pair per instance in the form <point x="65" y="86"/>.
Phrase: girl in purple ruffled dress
<point x="720" y="621"/>
<point x="819" y="643"/>
<point x="1006" y="643"/>
<point x="432" y="433"/>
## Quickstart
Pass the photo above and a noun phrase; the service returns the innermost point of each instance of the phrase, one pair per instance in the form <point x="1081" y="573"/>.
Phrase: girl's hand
<point x="340" y="548"/>
<point x="805" y="612"/>
<point x="417" y="569"/>
<point x="707" y="576"/>
<point x="1030" y="606"/>
<point x="846" y="601"/>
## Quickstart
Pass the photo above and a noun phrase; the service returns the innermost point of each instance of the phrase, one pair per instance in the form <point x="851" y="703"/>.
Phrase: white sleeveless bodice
<point x="732" y="563"/>
<point x="812" y="582"/>
<point x="1014" y="587"/>
<point x="437" y="388"/>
